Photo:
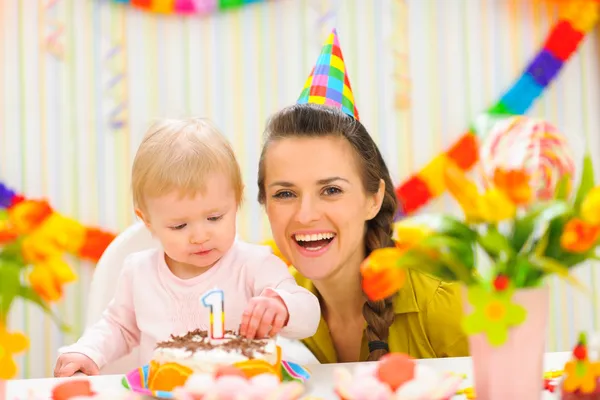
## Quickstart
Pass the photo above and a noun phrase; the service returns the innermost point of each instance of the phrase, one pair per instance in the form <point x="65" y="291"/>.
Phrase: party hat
<point x="328" y="82"/>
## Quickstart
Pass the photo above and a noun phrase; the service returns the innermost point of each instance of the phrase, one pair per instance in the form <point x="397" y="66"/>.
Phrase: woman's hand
<point x="264" y="315"/>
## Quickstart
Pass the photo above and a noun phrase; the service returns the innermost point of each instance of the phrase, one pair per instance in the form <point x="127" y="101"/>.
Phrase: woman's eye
<point x="178" y="227"/>
<point x="284" y="194"/>
<point x="331" y="191"/>
<point x="214" y="219"/>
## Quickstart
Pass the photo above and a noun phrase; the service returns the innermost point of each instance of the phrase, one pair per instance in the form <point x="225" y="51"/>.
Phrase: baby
<point x="187" y="188"/>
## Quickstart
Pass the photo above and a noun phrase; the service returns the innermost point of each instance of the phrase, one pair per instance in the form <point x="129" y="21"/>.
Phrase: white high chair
<point x="102" y="289"/>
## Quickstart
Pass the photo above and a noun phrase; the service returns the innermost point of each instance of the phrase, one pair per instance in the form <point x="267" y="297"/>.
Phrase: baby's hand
<point x="70" y="363"/>
<point x="265" y="315"/>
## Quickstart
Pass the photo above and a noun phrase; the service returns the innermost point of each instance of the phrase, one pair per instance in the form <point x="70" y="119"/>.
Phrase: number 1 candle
<point x="215" y="299"/>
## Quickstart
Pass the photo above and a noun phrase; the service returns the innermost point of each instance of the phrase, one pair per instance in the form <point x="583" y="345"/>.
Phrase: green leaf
<point x="446" y="257"/>
<point x="529" y="228"/>
<point x="12" y="252"/>
<point x="550" y="266"/>
<point x="444" y="225"/>
<point x="29" y="294"/>
<point x="10" y="281"/>
<point x="587" y="180"/>
<point x="522" y="273"/>
<point x="495" y="244"/>
<point x="562" y="188"/>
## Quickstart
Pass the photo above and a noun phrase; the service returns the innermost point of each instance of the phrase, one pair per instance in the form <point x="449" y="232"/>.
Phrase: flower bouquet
<point x="33" y="242"/>
<point x="509" y="240"/>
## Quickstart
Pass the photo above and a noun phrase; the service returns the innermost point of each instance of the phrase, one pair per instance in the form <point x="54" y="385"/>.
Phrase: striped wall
<point x="80" y="80"/>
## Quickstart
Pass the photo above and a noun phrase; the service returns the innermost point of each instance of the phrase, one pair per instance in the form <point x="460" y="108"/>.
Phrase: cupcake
<point x="582" y="376"/>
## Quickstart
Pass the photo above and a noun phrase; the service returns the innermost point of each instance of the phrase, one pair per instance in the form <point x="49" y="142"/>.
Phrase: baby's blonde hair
<point x="177" y="155"/>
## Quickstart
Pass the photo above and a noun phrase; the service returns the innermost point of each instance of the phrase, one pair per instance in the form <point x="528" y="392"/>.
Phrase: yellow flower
<point x="493" y="206"/>
<point x="48" y="278"/>
<point x="409" y="233"/>
<point x="581" y="375"/>
<point x="578" y="236"/>
<point x="10" y="344"/>
<point x="496" y="206"/>
<point x="55" y="236"/>
<point x="590" y="207"/>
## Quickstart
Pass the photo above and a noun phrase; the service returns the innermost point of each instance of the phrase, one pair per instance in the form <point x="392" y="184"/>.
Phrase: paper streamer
<point x="187" y="7"/>
<point x="578" y="18"/>
<point x="401" y="78"/>
<point x="53" y="41"/>
<point x="116" y="87"/>
<point x="327" y="11"/>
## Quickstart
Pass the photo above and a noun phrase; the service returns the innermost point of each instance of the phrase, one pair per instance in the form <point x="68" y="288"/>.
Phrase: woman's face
<point x="316" y="203"/>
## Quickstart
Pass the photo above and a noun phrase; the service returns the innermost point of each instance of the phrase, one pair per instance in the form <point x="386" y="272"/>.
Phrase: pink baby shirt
<point x="151" y="303"/>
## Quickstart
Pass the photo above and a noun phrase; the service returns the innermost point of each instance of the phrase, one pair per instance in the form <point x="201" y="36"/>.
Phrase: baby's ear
<point x="141" y="216"/>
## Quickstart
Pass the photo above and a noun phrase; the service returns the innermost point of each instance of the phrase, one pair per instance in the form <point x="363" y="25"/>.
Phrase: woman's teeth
<point x="314" y="241"/>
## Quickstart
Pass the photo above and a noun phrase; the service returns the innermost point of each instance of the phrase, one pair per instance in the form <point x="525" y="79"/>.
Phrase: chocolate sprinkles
<point x="198" y="340"/>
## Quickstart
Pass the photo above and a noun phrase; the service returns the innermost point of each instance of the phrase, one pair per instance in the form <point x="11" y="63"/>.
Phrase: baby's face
<point x="195" y="231"/>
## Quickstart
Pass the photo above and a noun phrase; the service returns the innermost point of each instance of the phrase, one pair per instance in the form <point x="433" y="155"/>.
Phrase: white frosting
<point x="206" y="361"/>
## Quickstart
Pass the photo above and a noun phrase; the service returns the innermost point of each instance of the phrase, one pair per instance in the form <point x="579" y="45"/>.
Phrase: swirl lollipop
<point x="535" y="146"/>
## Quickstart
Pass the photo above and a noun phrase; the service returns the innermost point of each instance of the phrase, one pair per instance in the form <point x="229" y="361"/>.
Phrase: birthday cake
<point x="174" y="360"/>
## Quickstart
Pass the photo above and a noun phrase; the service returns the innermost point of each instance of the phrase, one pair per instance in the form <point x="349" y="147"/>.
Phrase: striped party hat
<point x="328" y="81"/>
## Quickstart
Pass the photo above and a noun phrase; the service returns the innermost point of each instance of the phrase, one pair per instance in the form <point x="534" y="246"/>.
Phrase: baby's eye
<point x="178" y="227"/>
<point x="331" y="191"/>
<point x="216" y="218"/>
<point x="284" y="194"/>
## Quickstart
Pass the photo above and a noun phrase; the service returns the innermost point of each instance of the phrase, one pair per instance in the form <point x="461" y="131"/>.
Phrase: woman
<point x="330" y="202"/>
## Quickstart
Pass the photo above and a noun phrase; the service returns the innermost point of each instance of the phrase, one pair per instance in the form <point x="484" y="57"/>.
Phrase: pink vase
<point x="514" y="370"/>
<point x="2" y="389"/>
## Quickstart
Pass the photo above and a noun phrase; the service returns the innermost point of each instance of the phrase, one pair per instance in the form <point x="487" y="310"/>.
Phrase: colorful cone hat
<point x="328" y="82"/>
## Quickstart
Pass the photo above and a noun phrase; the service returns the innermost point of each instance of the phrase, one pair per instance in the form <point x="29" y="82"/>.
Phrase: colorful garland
<point x="579" y="18"/>
<point x="187" y="6"/>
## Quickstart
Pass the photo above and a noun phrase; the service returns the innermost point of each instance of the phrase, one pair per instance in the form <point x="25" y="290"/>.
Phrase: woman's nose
<point x="307" y="212"/>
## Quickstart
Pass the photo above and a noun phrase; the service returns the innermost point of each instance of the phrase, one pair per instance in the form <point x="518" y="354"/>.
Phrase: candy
<point x="533" y="145"/>
<point x="395" y="369"/>
<point x="229" y="370"/>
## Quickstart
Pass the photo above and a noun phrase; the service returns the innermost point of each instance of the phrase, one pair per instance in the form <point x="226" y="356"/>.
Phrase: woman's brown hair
<point x="312" y="120"/>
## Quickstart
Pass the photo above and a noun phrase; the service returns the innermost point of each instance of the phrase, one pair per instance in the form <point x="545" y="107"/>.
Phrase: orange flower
<point x="515" y="184"/>
<point x="96" y="241"/>
<point x="7" y="236"/>
<point x="7" y="232"/>
<point x="381" y="276"/>
<point x="10" y="344"/>
<point x="579" y="236"/>
<point x="492" y="206"/>
<point x="28" y="215"/>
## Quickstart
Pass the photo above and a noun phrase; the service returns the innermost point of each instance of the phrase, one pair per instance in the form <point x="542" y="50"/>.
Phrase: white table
<point x="319" y="385"/>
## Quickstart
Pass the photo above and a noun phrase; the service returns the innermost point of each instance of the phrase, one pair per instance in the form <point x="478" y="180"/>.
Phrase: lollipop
<point x="532" y="145"/>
